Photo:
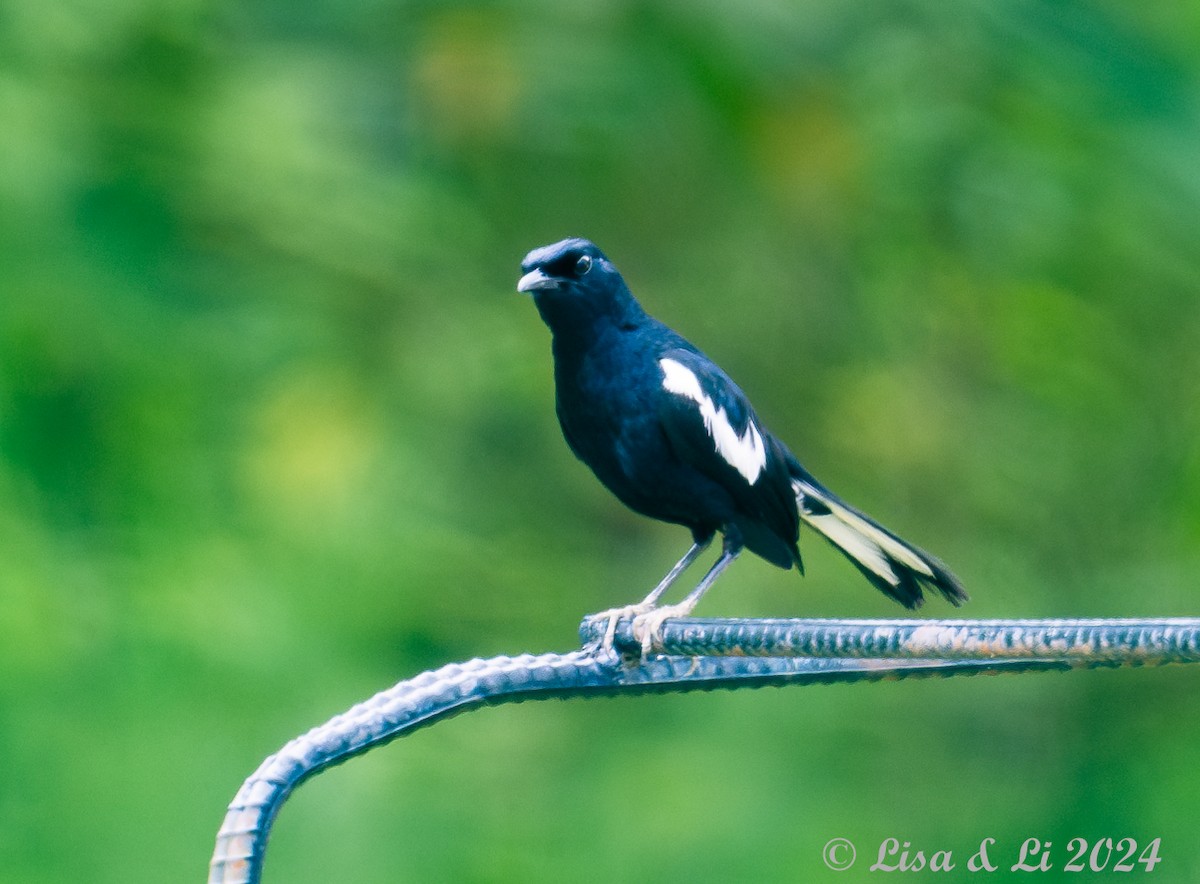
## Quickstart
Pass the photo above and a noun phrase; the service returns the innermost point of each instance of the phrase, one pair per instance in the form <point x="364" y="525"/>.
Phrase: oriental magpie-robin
<point x="668" y="432"/>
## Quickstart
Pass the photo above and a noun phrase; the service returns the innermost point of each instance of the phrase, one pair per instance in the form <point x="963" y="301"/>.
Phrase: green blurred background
<point x="276" y="431"/>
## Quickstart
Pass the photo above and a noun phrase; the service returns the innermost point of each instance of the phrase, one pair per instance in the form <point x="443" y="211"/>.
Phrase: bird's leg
<point x="647" y="626"/>
<point x="682" y="565"/>
<point x="649" y="601"/>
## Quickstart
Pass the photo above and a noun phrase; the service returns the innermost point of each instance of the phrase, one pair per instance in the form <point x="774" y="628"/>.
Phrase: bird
<point x="670" y="434"/>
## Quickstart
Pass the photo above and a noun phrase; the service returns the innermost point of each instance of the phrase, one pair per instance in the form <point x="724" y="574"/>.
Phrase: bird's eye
<point x="583" y="265"/>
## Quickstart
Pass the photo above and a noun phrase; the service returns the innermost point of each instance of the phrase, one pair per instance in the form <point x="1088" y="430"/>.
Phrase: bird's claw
<point x="647" y="627"/>
<point x="614" y="616"/>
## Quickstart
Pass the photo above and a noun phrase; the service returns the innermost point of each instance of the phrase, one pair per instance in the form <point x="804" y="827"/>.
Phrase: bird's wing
<point x="711" y="427"/>
<point x="708" y="418"/>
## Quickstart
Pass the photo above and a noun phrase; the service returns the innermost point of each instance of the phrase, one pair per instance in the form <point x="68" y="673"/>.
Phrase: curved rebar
<point x="696" y="655"/>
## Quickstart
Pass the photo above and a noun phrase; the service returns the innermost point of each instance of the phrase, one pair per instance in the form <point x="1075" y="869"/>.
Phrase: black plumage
<point x="672" y="436"/>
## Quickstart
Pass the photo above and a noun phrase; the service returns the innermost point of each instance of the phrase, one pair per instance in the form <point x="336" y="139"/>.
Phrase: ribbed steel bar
<point x="1084" y="642"/>
<point x="696" y="655"/>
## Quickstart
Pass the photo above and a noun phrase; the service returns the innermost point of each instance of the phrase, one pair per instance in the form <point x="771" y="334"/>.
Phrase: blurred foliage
<point x="275" y="430"/>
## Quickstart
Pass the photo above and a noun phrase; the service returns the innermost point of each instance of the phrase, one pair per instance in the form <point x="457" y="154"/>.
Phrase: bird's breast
<point x="605" y="403"/>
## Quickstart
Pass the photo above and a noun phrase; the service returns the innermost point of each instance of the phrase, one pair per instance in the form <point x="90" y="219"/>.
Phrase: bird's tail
<point x="899" y="569"/>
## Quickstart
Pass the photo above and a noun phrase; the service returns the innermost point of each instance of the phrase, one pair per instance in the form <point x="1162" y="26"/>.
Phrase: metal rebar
<point x="1081" y="642"/>
<point x="695" y="655"/>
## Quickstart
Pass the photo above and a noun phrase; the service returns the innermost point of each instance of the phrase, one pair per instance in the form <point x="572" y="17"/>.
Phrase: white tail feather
<point x="855" y="545"/>
<point x="867" y="544"/>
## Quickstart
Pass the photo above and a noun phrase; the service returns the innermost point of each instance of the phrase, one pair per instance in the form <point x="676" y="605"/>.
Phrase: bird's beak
<point x="535" y="280"/>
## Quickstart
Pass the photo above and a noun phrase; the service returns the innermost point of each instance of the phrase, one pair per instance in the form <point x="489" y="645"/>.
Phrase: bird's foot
<point x="614" y="615"/>
<point x="647" y="627"/>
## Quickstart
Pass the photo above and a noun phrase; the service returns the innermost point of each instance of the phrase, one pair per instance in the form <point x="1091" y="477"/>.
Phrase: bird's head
<point x="574" y="284"/>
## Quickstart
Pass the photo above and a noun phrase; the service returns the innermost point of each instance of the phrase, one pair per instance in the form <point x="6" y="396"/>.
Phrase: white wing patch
<point x="745" y="453"/>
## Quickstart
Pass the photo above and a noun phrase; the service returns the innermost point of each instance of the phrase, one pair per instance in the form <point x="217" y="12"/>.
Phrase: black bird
<point x="667" y="431"/>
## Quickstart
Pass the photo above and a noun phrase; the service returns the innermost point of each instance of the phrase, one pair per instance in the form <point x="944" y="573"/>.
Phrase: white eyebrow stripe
<point x="745" y="453"/>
